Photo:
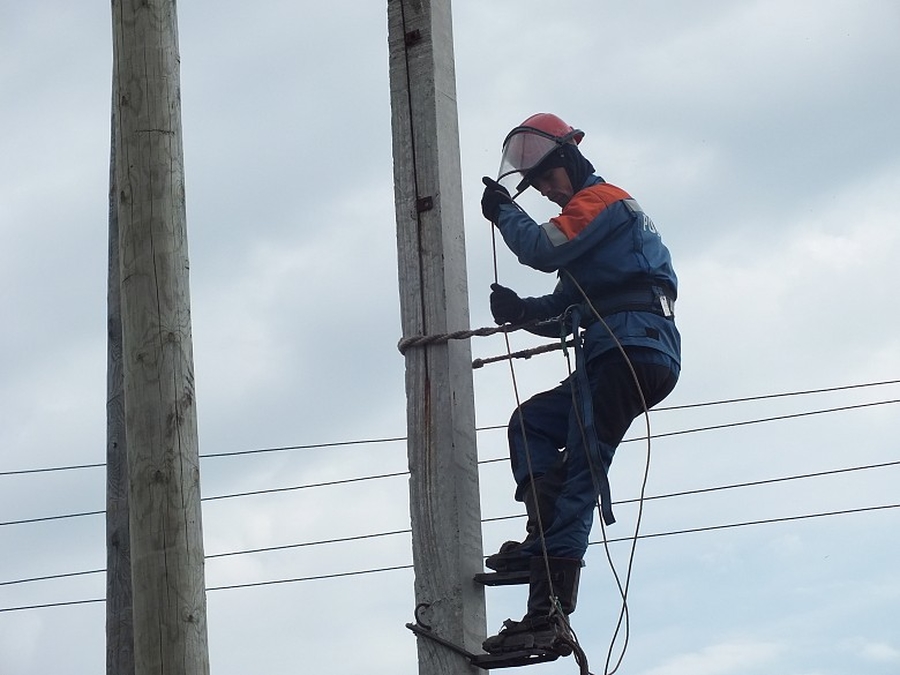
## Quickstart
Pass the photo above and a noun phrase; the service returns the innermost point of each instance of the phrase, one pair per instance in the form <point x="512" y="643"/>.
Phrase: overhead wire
<point x="216" y="455"/>
<point x="395" y="439"/>
<point x="61" y="516"/>
<point x="668" y="495"/>
<point x="678" y="432"/>
<point x="785" y="394"/>
<point x="406" y="531"/>
<point x="652" y="535"/>
<point x="727" y="425"/>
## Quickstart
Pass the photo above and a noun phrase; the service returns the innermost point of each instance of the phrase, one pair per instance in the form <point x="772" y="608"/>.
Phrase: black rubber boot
<point x="543" y="627"/>
<point x="565" y="573"/>
<point x="540" y="504"/>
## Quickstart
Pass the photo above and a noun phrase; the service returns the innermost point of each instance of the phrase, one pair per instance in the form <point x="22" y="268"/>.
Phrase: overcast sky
<point x="761" y="136"/>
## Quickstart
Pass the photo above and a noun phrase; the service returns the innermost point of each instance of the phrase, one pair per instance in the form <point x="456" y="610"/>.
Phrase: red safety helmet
<point x="526" y="146"/>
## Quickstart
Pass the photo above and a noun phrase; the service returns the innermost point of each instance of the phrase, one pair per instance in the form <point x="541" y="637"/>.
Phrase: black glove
<point x="494" y="196"/>
<point x="506" y="305"/>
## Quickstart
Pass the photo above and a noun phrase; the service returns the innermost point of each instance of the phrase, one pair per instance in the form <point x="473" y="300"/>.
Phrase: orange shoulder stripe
<point x="585" y="206"/>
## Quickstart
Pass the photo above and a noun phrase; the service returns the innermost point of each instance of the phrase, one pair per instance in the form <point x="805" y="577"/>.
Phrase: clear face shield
<point x="523" y="150"/>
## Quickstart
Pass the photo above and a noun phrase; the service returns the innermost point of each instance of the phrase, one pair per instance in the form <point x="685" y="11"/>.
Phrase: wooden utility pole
<point x="169" y="598"/>
<point x="444" y="498"/>
<point x="119" y="622"/>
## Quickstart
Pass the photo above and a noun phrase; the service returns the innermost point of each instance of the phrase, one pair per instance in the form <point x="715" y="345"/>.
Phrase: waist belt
<point x="652" y="298"/>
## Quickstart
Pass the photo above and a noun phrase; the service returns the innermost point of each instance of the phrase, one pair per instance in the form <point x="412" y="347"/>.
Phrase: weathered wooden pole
<point x="444" y="498"/>
<point x="170" y="630"/>
<point x="119" y="621"/>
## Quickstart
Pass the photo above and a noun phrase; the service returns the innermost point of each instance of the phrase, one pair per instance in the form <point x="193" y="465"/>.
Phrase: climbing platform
<point x="566" y="644"/>
<point x="525" y="657"/>
<point x="502" y="578"/>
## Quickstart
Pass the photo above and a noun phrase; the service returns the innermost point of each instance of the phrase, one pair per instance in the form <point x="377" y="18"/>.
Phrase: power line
<point x="49" y="469"/>
<point x="393" y="439"/>
<point x="318" y="577"/>
<point x="292" y="488"/>
<point x="765" y="521"/>
<point x="376" y="535"/>
<point x="775" y="418"/>
<point x="309" y="446"/>
<point x="342" y="481"/>
<point x="654" y="535"/>
<point x="48" y="605"/>
<point x="321" y="542"/>
<point x="359" y="537"/>
<point x="729" y="425"/>
<point x="734" y="486"/>
<point x="50" y="577"/>
<point x="211" y="556"/>
<point x="336" y="575"/>
<point x="714" y="427"/>
<point x="44" y="519"/>
<point x="761" y="397"/>
<point x="215" y="455"/>
<point x="497" y="427"/>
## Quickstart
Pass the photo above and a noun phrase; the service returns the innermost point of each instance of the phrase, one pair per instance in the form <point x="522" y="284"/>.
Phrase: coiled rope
<point x="421" y="340"/>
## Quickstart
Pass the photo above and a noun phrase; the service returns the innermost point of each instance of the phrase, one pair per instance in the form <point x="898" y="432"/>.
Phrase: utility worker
<point x="616" y="291"/>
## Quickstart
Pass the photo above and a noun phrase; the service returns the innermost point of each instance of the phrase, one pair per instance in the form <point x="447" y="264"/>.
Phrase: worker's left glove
<point x="506" y="305"/>
<point x="495" y="195"/>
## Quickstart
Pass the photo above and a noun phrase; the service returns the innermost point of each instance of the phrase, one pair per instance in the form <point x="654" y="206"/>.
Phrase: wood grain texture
<point x="444" y="498"/>
<point x="167" y="563"/>
<point x="119" y="621"/>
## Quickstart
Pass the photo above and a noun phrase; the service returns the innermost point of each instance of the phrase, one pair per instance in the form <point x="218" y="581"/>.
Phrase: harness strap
<point x="586" y="412"/>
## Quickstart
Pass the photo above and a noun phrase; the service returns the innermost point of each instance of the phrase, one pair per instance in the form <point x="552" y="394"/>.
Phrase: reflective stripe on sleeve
<point x="633" y="206"/>
<point x="554" y="234"/>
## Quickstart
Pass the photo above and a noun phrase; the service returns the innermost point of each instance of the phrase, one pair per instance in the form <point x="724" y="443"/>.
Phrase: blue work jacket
<point x="604" y="241"/>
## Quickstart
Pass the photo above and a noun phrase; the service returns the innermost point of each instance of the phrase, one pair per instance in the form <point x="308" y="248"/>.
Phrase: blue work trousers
<point x="546" y="437"/>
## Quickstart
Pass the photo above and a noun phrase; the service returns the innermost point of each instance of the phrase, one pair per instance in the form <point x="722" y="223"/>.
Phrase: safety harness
<point x="657" y="299"/>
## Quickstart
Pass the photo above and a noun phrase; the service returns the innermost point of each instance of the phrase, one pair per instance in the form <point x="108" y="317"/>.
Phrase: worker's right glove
<point x="495" y="195"/>
<point x="506" y="305"/>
